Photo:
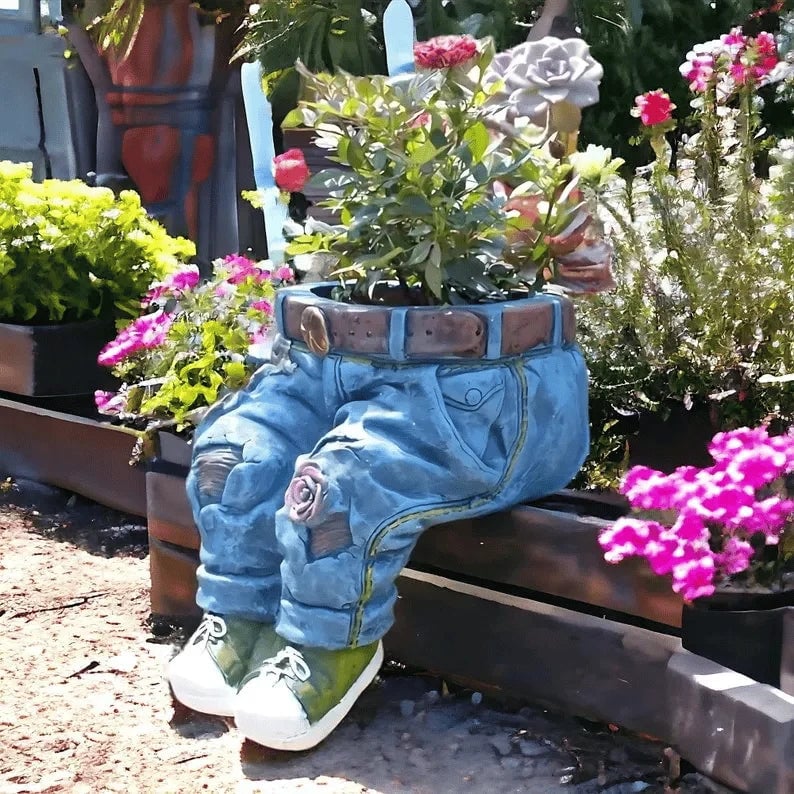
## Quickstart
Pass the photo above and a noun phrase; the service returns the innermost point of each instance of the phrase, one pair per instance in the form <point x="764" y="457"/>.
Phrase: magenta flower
<point x="717" y="510"/>
<point x="654" y="107"/>
<point x="284" y="274"/>
<point x="263" y="306"/>
<point x="109" y="403"/>
<point x="698" y="71"/>
<point x="142" y="333"/>
<point x="172" y="286"/>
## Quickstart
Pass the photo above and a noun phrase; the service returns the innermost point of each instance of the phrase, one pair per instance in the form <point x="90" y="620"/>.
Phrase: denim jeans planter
<point x="311" y="486"/>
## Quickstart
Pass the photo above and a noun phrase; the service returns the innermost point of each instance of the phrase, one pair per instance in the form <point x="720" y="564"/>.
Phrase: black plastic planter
<point x="54" y="360"/>
<point x="741" y="631"/>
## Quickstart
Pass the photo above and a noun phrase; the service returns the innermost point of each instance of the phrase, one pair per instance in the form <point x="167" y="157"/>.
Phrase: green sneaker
<point x="295" y="698"/>
<point x="206" y="674"/>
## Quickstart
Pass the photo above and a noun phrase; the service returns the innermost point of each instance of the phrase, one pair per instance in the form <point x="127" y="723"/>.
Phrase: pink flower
<point x="443" y="52"/>
<point x="305" y="495"/>
<point x="142" y="333"/>
<point x="694" y="578"/>
<point x="290" y="170"/>
<point x="735" y="556"/>
<point x="284" y="274"/>
<point x="420" y="120"/>
<point x="698" y="71"/>
<point x="109" y="403"/>
<point x="242" y="268"/>
<point x="654" y="107"/>
<point x="734" y="41"/>
<point x="627" y="537"/>
<point x="174" y="285"/>
<point x="263" y="306"/>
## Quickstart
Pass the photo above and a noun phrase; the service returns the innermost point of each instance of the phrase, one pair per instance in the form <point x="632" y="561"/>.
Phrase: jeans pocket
<point x="474" y="400"/>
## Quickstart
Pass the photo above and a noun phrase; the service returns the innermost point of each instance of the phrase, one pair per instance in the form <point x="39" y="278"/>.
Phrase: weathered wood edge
<point x="738" y="731"/>
<point x="81" y="455"/>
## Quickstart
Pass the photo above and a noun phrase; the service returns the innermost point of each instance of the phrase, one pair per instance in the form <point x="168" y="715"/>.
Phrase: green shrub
<point x="704" y="265"/>
<point x="71" y="252"/>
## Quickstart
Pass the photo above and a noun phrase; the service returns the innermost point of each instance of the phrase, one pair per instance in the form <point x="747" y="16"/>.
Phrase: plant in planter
<point x="197" y="340"/>
<point x="72" y="260"/>
<point x="438" y="379"/>
<point x="698" y="324"/>
<point x="725" y="535"/>
<point x="348" y="36"/>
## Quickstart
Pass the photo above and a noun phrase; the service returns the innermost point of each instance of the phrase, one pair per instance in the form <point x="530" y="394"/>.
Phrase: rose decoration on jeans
<point x="538" y="75"/>
<point x="305" y="495"/>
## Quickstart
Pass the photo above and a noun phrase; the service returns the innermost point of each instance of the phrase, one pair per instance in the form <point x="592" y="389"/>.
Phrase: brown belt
<point x="415" y="333"/>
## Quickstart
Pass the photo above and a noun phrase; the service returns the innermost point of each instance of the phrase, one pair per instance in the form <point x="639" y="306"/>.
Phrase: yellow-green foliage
<point x="71" y="252"/>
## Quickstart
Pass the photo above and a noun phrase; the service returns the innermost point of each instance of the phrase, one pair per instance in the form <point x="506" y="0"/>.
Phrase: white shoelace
<point x="211" y="628"/>
<point x="287" y="663"/>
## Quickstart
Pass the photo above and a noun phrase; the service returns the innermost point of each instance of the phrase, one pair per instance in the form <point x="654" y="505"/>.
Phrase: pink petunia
<point x="146" y="332"/>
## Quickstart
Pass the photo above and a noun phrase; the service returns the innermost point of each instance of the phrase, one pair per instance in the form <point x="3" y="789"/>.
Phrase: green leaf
<point x="477" y="139"/>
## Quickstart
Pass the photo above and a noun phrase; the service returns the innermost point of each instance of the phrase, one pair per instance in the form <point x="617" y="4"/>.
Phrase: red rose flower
<point x="654" y="107"/>
<point x="442" y="52"/>
<point x="290" y="170"/>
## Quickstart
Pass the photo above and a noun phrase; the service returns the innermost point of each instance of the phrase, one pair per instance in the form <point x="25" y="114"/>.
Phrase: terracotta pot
<point x="742" y="631"/>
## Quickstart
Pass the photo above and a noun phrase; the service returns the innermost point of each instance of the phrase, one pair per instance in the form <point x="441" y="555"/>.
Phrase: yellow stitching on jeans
<point x="468" y="504"/>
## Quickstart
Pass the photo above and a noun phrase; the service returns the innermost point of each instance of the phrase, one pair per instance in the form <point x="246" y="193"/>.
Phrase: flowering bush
<point x="71" y="252"/>
<point x="707" y="526"/>
<point x="198" y="339"/>
<point x="704" y="262"/>
<point x="461" y="185"/>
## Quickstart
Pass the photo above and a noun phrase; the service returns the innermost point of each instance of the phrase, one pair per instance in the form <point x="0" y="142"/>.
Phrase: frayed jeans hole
<point x="331" y="536"/>
<point x="212" y="469"/>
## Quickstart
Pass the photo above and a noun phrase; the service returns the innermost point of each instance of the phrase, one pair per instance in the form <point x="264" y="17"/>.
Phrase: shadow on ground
<point x="68" y="518"/>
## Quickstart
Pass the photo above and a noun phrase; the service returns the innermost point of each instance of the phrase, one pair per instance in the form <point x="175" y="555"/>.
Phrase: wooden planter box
<point x="54" y="360"/>
<point x="81" y="455"/>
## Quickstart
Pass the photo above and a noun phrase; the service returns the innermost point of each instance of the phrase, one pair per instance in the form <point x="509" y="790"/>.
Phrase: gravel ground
<point x="84" y="706"/>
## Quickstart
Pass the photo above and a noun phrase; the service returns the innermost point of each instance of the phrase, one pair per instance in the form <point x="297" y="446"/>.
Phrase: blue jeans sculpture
<point x="311" y="487"/>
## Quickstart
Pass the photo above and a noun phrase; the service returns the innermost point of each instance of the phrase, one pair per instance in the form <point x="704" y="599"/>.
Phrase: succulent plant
<point x="545" y="75"/>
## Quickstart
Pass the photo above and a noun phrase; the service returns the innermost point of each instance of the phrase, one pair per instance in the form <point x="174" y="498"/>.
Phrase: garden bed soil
<point x="85" y="707"/>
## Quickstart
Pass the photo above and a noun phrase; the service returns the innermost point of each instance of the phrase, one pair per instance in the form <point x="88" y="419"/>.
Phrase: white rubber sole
<point x="221" y="704"/>
<point x="215" y="705"/>
<point x="251" y="724"/>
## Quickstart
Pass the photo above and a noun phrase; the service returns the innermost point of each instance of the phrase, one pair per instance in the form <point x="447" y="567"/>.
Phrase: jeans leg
<point x="395" y="463"/>
<point x="243" y="457"/>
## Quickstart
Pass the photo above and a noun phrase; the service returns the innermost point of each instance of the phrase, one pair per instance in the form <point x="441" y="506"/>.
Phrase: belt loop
<point x="397" y="334"/>
<point x="278" y="311"/>
<point x="556" y="334"/>
<point x="493" y="321"/>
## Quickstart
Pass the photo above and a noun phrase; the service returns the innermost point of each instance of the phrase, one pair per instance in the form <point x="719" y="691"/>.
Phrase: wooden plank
<point x="552" y="552"/>
<point x="81" y="455"/>
<point x="168" y="512"/>
<point x="173" y="574"/>
<point x="734" y="729"/>
<point x="562" y="659"/>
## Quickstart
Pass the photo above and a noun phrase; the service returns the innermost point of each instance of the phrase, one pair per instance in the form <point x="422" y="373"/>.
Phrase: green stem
<point x="747" y="126"/>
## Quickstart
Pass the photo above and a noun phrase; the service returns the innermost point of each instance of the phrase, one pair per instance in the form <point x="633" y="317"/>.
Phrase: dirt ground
<point x="84" y="706"/>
